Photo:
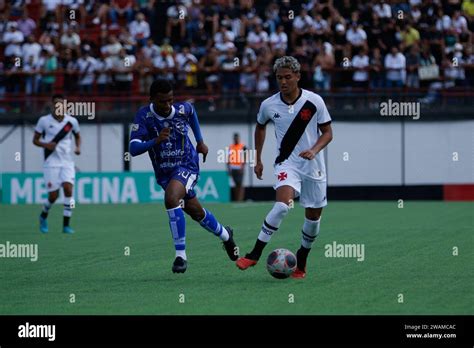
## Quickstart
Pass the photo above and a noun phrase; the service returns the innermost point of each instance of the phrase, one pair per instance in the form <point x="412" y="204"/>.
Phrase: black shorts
<point x="237" y="176"/>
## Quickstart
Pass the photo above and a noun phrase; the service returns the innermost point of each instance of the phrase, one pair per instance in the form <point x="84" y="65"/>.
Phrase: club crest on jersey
<point x="180" y="127"/>
<point x="305" y="114"/>
<point x="135" y="127"/>
<point x="282" y="176"/>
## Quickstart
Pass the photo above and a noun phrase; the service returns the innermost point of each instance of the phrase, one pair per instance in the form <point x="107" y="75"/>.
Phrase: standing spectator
<point x="187" y="66"/>
<point x="165" y="65"/>
<point x="230" y="79"/>
<point x="248" y="76"/>
<point x="176" y="23"/>
<point x="236" y="166"/>
<point x="395" y="64"/>
<point x="409" y="36"/>
<point x="382" y="9"/>
<point x="13" y="39"/>
<point x="279" y="39"/>
<point x="26" y="25"/>
<point x="121" y="68"/>
<point x="140" y="29"/>
<point x="31" y="49"/>
<point x="49" y="68"/>
<point x="356" y="36"/>
<point x="324" y="62"/>
<point x="376" y="69"/>
<point x="113" y="48"/>
<point x="85" y="67"/>
<point x="360" y="63"/>
<point x="103" y="64"/>
<point x="413" y="63"/>
<point x="127" y="40"/>
<point x="257" y="38"/>
<point x="71" y="39"/>
<point x="223" y="32"/>
<point x="302" y="26"/>
<point x="29" y="69"/>
<point x="209" y="65"/>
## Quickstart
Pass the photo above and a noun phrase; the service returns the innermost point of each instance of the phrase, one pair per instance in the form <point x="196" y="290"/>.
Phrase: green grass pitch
<point x="408" y="251"/>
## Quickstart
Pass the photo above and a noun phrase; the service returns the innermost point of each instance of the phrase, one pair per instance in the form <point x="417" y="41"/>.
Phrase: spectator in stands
<point x="413" y="63"/>
<point x="46" y="43"/>
<point x="164" y="65"/>
<point x="186" y="63"/>
<point x="302" y="26"/>
<point x="103" y="80"/>
<point x="377" y="77"/>
<point x="176" y="23"/>
<point x="29" y="69"/>
<point x="26" y="25"/>
<point x="257" y="38"/>
<point x="120" y="8"/>
<point x="128" y="40"/>
<point x="31" y="49"/>
<point x="209" y="65"/>
<point x="68" y="63"/>
<point x="223" y="32"/>
<point x="140" y="29"/>
<point x="51" y="8"/>
<point x="51" y="28"/>
<point x="356" y="36"/>
<point x="248" y="76"/>
<point x="71" y="39"/>
<point x="279" y="39"/>
<point x="113" y="48"/>
<point x="382" y="9"/>
<point x="13" y="39"/>
<point x="48" y="69"/>
<point x="360" y="63"/>
<point x="323" y="63"/>
<point x="121" y="67"/>
<point x="85" y="67"/>
<point x="409" y="36"/>
<point x="395" y="64"/>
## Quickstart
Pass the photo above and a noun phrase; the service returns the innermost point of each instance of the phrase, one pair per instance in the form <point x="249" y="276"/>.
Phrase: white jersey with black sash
<point x="296" y="130"/>
<point x="61" y="133"/>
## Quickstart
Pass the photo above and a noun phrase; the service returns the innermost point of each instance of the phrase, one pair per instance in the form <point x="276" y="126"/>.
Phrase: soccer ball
<point x="281" y="263"/>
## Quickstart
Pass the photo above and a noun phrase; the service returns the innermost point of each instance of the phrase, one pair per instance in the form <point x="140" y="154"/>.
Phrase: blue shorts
<point x="185" y="176"/>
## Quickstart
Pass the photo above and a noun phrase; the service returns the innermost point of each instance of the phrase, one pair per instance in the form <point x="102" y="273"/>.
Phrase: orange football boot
<point x="244" y="263"/>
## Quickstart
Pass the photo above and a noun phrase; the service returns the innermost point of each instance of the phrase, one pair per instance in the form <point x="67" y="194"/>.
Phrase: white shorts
<point x="54" y="177"/>
<point x="312" y="193"/>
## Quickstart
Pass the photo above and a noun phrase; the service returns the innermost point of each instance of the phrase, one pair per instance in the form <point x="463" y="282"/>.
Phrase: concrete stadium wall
<point x="368" y="153"/>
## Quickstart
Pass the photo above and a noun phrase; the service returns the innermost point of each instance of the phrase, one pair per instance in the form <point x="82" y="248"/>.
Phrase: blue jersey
<point x="175" y="153"/>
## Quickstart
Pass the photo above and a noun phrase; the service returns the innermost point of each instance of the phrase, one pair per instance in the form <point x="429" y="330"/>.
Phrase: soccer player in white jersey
<point x="54" y="133"/>
<point x="299" y="117"/>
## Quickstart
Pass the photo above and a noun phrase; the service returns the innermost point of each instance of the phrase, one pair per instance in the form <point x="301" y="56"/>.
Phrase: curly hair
<point x="287" y="62"/>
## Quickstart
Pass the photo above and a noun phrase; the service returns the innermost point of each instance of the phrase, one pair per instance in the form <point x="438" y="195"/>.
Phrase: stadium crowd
<point x="229" y="46"/>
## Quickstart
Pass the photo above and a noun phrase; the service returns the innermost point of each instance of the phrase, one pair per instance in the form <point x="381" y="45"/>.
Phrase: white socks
<point x="273" y="221"/>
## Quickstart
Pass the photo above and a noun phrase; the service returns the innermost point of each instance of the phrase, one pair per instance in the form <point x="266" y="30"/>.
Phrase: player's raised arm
<point x="200" y="147"/>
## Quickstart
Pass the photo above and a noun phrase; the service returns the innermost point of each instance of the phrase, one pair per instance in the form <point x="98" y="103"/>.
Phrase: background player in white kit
<point x="299" y="167"/>
<point x="54" y="133"/>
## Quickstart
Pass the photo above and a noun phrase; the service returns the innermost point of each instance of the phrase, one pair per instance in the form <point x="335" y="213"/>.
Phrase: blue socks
<point x="210" y="223"/>
<point x="178" y="230"/>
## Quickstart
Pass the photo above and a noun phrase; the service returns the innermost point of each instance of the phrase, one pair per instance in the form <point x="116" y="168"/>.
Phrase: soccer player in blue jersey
<point x="161" y="128"/>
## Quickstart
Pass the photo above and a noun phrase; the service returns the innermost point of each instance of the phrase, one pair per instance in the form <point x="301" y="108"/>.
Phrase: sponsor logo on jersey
<point x="135" y="127"/>
<point x="172" y="153"/>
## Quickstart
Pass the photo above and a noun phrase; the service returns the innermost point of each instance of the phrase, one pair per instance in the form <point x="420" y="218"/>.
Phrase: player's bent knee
<point x="280" y="209"/>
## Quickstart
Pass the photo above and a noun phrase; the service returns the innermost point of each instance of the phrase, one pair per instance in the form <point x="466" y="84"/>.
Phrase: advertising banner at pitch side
<point x="112" y="188"/>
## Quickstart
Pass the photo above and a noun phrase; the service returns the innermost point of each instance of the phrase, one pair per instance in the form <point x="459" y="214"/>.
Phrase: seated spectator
<point x="186" y="63"/>
<point x="121" y="67"/>
<point x="140" y="29"/>
<point x="164" y="65"/>
<point x="119" y="8"/>
<point x="113" y="48"/>
<point x="257" y="38"/>
<point x="279" y="39"/>
<point x="356" y="36"/>
<point x="31" y="49"/>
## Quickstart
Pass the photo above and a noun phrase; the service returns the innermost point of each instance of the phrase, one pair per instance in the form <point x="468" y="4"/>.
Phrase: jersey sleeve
<point x="139" y="131"/>
<point x="194" y="123"/>
<point x="39" y="128"/>
<point x="322" y="115"/>
<point x="262" y="116"/>
<point x="75" y="126"/>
